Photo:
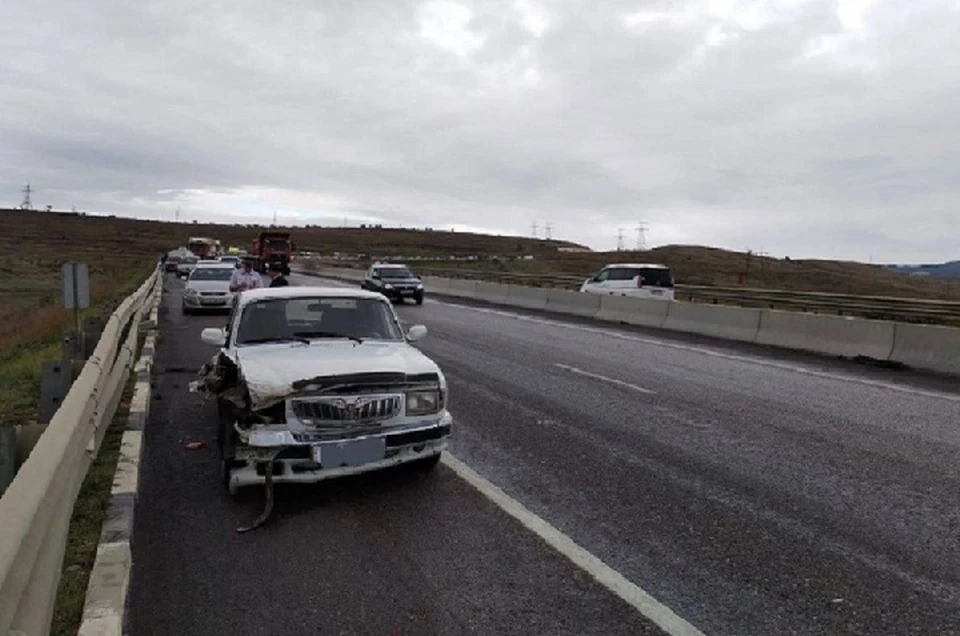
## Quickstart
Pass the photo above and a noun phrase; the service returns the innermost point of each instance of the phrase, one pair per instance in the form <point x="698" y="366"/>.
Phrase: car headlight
<point x="387" y="286"/>
<point x="191" y="292"/>
<point x="423" y="402"/>
<point x="419" y="285"/>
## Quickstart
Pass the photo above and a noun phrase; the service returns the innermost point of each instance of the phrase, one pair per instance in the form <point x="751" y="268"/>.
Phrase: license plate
<point x="407" y="292"/>
<point x="214" y="302"/>
<point x="656" y="292"/>
<point x="350" y="453"/>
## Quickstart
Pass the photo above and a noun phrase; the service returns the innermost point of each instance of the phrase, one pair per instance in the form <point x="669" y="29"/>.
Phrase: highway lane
<point x="395" y="553"/>
<point x="751" y="495"/>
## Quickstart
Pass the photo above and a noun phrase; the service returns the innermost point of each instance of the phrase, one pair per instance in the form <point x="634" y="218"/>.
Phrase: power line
<point x="533" y="229"/>
<point x="549" y="234"/>
<point x="620" y="239"/>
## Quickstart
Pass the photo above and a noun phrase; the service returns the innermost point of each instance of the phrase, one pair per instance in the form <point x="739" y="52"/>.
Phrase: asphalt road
<point x="751" y="495"/>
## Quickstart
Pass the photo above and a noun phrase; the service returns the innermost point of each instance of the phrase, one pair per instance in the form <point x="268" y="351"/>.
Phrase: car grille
<point x="213" y="293"/>
<point x="346" y="410"/>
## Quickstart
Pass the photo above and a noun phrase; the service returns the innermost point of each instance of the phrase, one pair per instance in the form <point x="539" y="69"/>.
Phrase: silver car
<point x="208" y="288"/>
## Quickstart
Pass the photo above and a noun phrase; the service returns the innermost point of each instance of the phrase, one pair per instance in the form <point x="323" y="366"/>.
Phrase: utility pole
<point x="274" y="217"/>
<point x="549" y="233"/>
<point x="533" y="229"/>
<point x="27" y="205"/>
<point x="176" y="215"/>
<point x="641" y="236"/>
<point x="619" y="239"/>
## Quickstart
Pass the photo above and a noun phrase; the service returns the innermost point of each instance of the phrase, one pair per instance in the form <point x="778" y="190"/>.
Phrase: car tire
<point x="186" y="310"/>
<point x="419" y="300"/>
<point x="226" y="438"/>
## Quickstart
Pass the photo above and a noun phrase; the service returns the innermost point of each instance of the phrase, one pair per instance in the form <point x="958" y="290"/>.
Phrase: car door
<point x="597" y="284"/>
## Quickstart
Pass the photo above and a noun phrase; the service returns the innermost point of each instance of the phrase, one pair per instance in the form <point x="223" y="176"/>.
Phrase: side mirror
<point x="215" y="336"/>
<point x="416" y="332"/>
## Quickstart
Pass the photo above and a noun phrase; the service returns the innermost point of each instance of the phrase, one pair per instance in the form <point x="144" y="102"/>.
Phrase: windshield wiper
<point x="295" y="338"/>
<point x="327" y="334"/>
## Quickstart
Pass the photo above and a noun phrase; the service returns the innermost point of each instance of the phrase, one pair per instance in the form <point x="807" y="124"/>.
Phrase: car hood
<point x="271" y="371"/>
<point x="209" y="285"/>
<point x="400" y="281"/>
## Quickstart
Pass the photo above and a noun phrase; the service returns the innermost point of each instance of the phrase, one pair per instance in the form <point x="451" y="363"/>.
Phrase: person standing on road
<point x="245" y="278"/>
<point x="277" y="275"/>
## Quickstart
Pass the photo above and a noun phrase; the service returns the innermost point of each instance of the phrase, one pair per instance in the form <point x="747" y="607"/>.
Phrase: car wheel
<point x="186" y="310"/>
<point x="226" y="438"/>
<point x="419" y="300"/>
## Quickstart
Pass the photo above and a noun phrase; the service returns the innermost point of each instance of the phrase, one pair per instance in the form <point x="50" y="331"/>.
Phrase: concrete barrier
<point x="461" y="288"/>
<point x="435" y="284"/>
<point x="641" y="312"/>
<point x="717" y="321"/>
<point x="573" y="303"/>
<point x="927" y="347"/>
<point x="490" y="292"/>
<point x="822" y="333"/>
<point x="526" y="297"/>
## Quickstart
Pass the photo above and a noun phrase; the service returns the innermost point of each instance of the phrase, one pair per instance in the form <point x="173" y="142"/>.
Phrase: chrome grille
<point x="213" y="293"/>
<point x="346" y="410"/>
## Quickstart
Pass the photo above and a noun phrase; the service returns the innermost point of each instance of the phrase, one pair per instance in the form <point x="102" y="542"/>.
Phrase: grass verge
<point x="89" y="514"/>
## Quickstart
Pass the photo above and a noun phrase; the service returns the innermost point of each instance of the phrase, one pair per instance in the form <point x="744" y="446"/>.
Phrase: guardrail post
<point x="92" y="329"/>
<point x="56" y="378"/>
<point x="9" y="456"/>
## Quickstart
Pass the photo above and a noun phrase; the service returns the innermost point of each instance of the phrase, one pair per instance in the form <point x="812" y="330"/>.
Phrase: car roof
<point x="269" y="293"/>
<point x="638" y="265"/>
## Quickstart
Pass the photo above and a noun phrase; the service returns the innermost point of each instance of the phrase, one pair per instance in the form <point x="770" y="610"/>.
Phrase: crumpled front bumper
<point x="293" y="454"/>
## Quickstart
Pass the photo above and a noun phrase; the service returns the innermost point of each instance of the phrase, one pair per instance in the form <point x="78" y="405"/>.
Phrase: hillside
<point x="950" y="269"/>
<point x="33" y="244"/>
<point x="61" y="229"/>
<point x="697" y="265"/>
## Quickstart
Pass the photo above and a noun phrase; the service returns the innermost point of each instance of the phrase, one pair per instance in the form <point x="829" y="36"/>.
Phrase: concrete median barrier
<point x="826" y="334"/>
<point x="435" y="284"/>
<point x="717" y="321"/>
<point x="573" y="303"/>
<point x="490" y="292"/>
<point x="461" y="288"/>
<point x="927" y="347"/>
<point x="640" y="312"/>
<point x="526" y="297"/>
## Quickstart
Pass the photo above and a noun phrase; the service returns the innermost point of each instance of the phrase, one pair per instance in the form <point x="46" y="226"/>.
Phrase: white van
<point x="632" y="279"/>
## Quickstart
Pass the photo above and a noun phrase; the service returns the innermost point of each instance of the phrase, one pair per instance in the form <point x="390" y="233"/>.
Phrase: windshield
<point x="211" y="273"/>
<point x="277" y="244"/>
<point x="394" y="272"/>
<point x="286" y="319"/>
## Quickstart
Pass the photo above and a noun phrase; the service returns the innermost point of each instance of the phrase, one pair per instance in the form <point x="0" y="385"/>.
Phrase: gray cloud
<point x="798" y="127"/>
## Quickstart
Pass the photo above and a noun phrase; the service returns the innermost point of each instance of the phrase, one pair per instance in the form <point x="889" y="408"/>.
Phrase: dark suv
<point x="396" y="282"/>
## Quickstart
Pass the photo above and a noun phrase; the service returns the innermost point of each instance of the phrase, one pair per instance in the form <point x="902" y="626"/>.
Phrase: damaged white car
<point x="320" y="382"/>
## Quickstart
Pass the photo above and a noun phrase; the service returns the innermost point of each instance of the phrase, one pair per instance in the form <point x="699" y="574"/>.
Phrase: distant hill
<point x="950" y="269"/>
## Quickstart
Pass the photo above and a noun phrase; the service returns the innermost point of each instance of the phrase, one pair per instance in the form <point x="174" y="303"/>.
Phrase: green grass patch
<point x="89" y="513"/>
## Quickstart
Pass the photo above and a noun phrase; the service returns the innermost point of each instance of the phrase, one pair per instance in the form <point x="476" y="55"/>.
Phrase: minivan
<point x="630" y="279"/>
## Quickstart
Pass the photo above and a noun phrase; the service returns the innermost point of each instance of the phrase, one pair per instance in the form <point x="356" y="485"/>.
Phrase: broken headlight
<point x="424" y="402"/>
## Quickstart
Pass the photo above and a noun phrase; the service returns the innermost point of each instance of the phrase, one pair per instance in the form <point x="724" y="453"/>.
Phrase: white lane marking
<point x="604" y="378"/>
<point x="784" y="366"/>
<point x="606" y="576"/>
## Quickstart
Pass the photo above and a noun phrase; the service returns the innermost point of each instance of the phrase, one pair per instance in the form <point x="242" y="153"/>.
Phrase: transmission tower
<point x="27" y="205"/>
<point x="549" y="232"/>
<point x="274" y="217"/>
<point x="176" y="215"/>
<point x="641" y="236"/>
<point x="533" y="229"/>
<point x="620" y="239"/>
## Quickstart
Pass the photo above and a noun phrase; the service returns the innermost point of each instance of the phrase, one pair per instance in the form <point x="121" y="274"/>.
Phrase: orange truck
<point x="272" y="246"/>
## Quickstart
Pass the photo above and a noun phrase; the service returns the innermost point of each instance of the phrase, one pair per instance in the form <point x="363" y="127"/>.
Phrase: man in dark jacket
<point x="276" y="274"/>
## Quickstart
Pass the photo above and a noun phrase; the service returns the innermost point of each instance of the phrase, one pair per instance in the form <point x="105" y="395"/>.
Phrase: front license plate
<point x="407" y="292"/>
<point x="213" y="303"/>
<point x="656" y="292"/>
<point x="351" y="453"/>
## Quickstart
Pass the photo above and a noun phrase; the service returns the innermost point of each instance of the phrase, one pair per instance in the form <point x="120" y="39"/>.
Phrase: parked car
<point x="629" y="279"/>
<point x="186" y="265"/>
<point x="396" y="282"/>
<point x="232" y="259"/>
<point x="208" y="288"/>
<point x="321" y="382"/>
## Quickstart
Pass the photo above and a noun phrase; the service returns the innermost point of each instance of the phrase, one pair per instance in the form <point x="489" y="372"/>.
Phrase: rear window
<point x="652" y="276"/>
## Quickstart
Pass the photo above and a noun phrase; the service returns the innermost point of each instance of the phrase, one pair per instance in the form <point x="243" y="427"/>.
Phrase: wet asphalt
<point x="752" y="494"/>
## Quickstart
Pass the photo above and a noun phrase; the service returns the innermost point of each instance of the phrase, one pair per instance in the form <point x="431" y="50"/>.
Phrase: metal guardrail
<point x="918" y="310"/>
<point x="37" y="507"/>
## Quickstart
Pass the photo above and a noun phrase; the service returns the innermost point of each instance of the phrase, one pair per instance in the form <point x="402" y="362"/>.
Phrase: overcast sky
<point x="797" y="127"/>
